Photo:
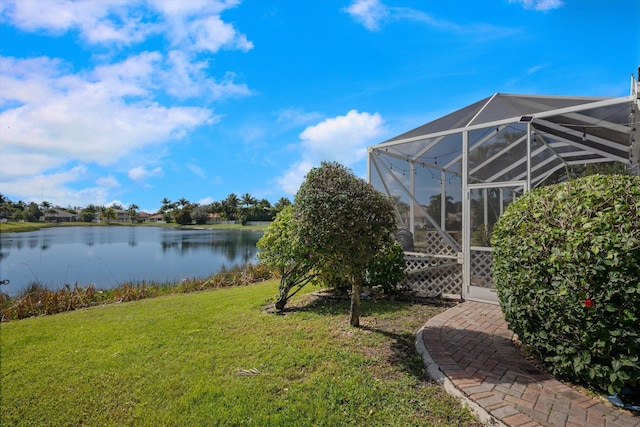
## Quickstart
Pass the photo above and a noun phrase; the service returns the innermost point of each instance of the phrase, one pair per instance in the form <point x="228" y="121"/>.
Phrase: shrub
<point x="184" y="216"/>
<point x="567" y="269"/>
<point x="387" y="269"/>
<point x="282" y="251"/>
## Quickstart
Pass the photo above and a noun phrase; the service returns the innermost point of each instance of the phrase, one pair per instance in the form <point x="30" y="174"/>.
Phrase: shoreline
<point x="19" y="227"/>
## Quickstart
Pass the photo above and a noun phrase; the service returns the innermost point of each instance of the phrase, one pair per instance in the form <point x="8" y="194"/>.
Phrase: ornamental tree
<point x="343" y="221"/>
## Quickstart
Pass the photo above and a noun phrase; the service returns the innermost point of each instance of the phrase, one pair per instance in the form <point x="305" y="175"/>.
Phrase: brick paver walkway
<point x="469" y="347"/>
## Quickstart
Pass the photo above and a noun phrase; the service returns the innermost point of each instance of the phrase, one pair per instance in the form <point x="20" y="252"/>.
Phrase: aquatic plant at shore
<point x="37" y="300"/>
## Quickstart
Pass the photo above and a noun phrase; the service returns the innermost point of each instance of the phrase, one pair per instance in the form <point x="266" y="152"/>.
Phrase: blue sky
<point x="131" y="101"/>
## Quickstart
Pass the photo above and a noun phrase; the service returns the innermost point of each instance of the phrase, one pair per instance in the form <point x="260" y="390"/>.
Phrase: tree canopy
<point x="343" y="221"/>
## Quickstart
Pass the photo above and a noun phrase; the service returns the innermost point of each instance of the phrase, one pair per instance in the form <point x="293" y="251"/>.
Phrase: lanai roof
<point x="498" y="107"/>
<point x="575" y="129"/>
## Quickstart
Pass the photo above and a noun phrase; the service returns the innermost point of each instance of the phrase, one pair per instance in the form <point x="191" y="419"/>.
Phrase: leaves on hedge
<point x="567" y="273"/>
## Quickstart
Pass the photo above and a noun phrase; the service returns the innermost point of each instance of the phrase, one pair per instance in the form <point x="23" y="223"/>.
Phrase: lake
<point x="108" y="256"/>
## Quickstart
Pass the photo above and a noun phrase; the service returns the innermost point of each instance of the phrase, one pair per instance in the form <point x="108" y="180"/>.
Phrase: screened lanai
<point x="452" y="178"/>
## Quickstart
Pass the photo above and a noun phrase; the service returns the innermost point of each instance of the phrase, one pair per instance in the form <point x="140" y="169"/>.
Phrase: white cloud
<point x="115" y="202"/>
<point x="206" y="201"/>
<point x="141" y="173"/>
<point x="540" y="5"/>
<point x="187" y="78"/>
<point x="85" y="124"/>
<point x="192" y="7"/>
<point x="52" y="117"/>
<point x="292" y="179"/>
<point x="55" y="188"/>
<point x="56" y="117"/>
<point x="343" y="139"/>
<point x="135" y="76"/>
<point x="53" y="15"/>
<point x="293" y="117"/>
<point x="108" y="181"/>
<point x="368" y="12"/>
<point x="211" y="34"/>
<point x="194" y="23"/>
<point x="534" y="69"/>
<point x="197" y="170"/>
<point x="105" y="21"/>
<point x="16" y="165"/>
<point x="373" y="13"/>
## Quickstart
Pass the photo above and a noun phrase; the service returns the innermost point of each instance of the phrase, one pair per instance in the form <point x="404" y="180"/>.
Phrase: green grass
<point x="218" y="358"/>
<point x="19" y="227"/>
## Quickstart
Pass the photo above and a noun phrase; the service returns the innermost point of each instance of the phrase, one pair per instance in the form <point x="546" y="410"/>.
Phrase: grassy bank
<point x="217" y="358"/>
<point x="19" y="227"/>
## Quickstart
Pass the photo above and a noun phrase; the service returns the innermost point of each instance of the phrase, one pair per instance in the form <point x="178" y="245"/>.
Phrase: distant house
<point x="143" y="216"/>
<point x="121" y="216"/>
<point x="58" y="215"/>
<point x="213" y="218"/>
<point x="156" y="218"/>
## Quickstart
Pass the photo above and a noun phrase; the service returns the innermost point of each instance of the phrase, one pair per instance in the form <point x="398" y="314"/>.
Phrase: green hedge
<point x="567" y="273"/>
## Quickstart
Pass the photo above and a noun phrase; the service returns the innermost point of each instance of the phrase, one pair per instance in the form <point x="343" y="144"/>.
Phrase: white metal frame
<point x="573" y="140"/>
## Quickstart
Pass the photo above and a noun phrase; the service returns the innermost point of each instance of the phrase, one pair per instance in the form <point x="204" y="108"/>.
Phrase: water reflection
<point x="109" y="256"/>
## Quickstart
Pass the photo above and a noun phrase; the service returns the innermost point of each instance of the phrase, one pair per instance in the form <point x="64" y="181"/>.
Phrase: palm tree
<point x="264" y="204"/>
<point x="132" y="212"/>
<point x="216" y="207"/>
<point x="230" y="206"/>
<point x="248" y="200"/>
<point x="166" y="203"/>
<point x="184" y="202"/>
<point x="109" y="214"/>
<point x="280" y="204"/>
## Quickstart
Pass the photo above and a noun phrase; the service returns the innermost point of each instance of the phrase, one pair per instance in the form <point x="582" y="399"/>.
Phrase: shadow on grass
<point x="398" y="331"/>
<point x="334" y="304"/>
<point x="402" y="352"/>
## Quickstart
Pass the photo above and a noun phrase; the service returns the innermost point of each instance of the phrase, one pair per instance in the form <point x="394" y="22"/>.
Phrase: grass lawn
<point x="218" y="358"/>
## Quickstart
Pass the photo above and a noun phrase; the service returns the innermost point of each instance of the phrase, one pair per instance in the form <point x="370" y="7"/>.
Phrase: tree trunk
<point x="283" y="296"/>
<point x="356" y="289"/>
<point x="282" y="301"/>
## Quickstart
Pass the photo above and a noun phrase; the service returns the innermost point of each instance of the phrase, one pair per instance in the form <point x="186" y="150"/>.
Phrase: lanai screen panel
<point x="388" y="174"/>
<point x="417" y="174"/>
<point x="497" y="153"/>
<point x="510" y="138"/>
<point x="597" y="133"/>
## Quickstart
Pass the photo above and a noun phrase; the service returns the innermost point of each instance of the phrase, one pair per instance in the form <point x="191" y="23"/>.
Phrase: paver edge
<point x="434" y="372"/>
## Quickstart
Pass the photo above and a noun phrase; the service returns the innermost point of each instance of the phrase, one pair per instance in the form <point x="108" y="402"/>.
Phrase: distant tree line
<point x="232" y="208"/>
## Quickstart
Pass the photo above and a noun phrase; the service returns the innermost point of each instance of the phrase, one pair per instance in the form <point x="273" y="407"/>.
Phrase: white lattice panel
<point x="432" y="276"/>
<point x="481" y="269"/>
<point x="437" y="245"/>
<point x="434" y="272"/>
